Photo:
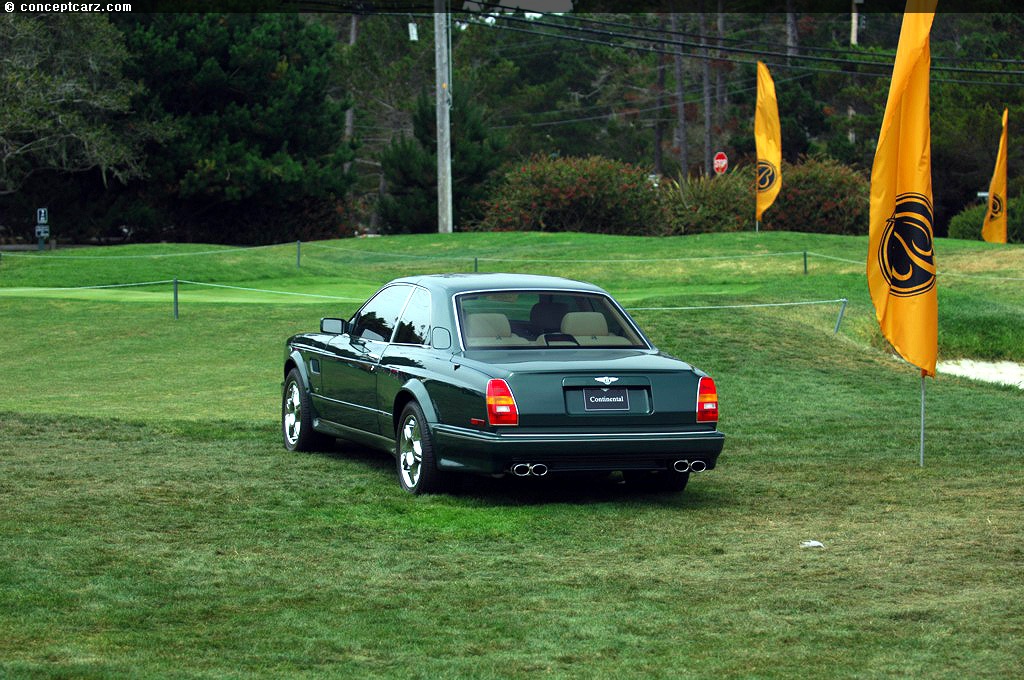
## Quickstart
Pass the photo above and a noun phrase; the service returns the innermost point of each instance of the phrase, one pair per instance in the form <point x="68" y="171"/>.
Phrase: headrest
<point x="585" y="323"/>
<point x="545" y="315"/>
<point x="488" y="326"/>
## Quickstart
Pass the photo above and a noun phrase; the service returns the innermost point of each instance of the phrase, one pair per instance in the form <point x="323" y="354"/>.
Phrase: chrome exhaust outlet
<point x="698" y="466"/>
<point x="522" y="469"/>
<point x="527" y="469"/>
<point x="682" y="466"/>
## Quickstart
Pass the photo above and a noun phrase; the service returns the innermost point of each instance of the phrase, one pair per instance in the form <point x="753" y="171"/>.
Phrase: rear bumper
<point x="494" y="453"/>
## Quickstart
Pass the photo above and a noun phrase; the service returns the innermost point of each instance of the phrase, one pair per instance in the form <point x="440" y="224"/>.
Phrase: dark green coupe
<point x="500" y="374"/>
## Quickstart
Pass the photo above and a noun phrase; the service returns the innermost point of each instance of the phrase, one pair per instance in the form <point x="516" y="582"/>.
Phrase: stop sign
<point x="721" y="163"/>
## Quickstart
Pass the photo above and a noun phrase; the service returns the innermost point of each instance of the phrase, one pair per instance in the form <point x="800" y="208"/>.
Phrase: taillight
<point x="501" y="405"/>
<point x="707" y="401"/>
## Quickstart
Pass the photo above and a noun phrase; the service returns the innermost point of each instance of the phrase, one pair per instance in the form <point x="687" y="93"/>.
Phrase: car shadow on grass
<point x="574" y="488"/>
<point x="509" y="490"/>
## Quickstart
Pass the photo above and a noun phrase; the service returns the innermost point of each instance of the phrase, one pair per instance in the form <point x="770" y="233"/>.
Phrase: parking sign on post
<point x="42" y="226"/>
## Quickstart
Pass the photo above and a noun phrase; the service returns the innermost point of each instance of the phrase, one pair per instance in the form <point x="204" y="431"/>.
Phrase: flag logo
<point x="906" y="254"/>
<point x="995" y="209"/>
<point x="767" y="175"/>
<point x="993" y="229"/>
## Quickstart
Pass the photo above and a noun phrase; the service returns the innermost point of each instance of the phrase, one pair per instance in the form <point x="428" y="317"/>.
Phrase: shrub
<point x="713" y="204"/>
<point x="967" y="223"/>
<point x="592" y="194"/>
<point x="821" y="196"/>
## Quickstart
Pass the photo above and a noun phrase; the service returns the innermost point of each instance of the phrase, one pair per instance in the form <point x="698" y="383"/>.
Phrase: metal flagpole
<point x="922" y="418"/>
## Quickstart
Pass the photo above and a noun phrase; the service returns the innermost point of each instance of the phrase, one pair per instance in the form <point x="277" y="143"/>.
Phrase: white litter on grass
<point x="812" y="544"/>
<point x="1004" y="372"/>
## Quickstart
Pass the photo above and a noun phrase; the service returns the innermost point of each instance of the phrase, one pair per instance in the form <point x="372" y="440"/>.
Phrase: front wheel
<point x="297" y="416"/>
<point x="417" y="467"/>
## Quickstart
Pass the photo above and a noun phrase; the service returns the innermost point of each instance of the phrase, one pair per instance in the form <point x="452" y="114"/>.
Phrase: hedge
<point x="822" y="196"/>
<point x="600" y="195"/>
<point x="591" y="194"/>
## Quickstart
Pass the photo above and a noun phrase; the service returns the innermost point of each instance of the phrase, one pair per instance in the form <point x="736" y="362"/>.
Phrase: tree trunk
<point x="706" y="78"/>
<point x="659" y="103"/>
<point x="721" y="101"/>
<point x="792" y="41"/>
<point x="680" y="99"/>
<point x="350" y="113"/>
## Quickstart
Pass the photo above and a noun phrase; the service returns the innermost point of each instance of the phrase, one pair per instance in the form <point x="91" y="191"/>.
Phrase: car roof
<point x="452" y="284"/>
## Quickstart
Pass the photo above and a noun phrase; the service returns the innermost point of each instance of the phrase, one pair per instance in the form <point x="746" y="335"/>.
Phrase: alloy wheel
<point x="410" y="452"/>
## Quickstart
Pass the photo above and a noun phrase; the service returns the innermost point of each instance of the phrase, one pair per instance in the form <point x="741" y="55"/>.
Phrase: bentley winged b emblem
<point x="605" y="380"/>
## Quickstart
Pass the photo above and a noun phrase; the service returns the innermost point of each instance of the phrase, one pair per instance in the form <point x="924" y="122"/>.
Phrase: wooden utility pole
<point x="444" y="101"/>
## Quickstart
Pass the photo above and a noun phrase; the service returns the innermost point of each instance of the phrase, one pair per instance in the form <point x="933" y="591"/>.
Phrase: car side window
<point x="377" y="319"/>
<point x="415" y="324"/>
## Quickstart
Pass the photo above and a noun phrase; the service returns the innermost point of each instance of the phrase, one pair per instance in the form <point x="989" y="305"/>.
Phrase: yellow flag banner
<point x="901" y="257"/>
<point x="768" y="138"/>
<point x="994" y="229"/>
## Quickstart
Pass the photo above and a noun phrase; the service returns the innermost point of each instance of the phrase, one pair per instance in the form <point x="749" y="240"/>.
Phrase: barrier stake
<point x="175" y="299"/>
<point x="476" y="264"/>
<point x="842" y="310"/>
<point x="805" y="263"/>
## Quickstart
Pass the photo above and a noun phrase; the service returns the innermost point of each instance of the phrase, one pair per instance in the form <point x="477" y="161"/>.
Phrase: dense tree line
<point x="254" y="128"/>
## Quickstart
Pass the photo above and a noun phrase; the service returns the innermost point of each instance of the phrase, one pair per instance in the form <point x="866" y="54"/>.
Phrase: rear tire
<point x="668" y="481"/>
<point x="414" y="454"/>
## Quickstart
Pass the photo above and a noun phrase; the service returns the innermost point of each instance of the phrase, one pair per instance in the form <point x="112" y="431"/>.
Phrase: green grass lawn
<point x="152" y="525"/>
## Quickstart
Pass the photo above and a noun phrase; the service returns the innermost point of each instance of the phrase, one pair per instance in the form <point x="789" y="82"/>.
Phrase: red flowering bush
<point x="591" y="194"/>
<point x="821" y="196"/>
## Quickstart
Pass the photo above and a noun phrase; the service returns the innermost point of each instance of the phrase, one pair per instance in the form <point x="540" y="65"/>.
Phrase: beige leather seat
<point x="489" y="330"/>
<point x="590" y="328"/>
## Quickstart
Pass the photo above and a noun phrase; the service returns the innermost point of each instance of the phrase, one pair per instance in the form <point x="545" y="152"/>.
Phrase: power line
<point x="655" y="50"/>
<point x="712" y="41"/>
<point x="744" y="50"/>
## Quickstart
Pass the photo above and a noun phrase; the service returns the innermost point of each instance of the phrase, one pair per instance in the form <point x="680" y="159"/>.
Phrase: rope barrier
<point x="221" y="251"/>
<point x="274" y="292"/>
<point x="942" y="273"/>
<point x="177" y="282"/>
<point x="839" y="319"/>
<point x="552" y="260"/>
<point x="763" y="304"/>
<point x="69" y="288"/>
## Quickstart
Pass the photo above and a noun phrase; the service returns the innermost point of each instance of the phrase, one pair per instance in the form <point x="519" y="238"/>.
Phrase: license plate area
<point x="631" y="396"/>
<point x="605" y="399"/>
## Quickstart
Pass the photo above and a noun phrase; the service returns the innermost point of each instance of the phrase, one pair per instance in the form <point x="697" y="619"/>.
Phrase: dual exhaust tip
<point x="688" y="466"/>
<point x="527" y="469"/>
<point x="540" y="469"/>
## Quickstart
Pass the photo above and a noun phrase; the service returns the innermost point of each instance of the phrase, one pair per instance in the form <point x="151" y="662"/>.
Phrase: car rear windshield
<point x="541" y="319"/>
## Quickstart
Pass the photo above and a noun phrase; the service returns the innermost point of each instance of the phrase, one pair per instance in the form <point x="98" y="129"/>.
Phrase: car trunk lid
<point x="598" y="389"/>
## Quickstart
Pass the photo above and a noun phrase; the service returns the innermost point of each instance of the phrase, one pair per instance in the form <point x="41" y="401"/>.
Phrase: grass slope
<point x="153" y="526"/>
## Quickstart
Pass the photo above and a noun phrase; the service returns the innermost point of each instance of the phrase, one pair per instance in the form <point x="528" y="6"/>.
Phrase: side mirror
<point x="441" y="338"/>
<point x="334" y="326"/>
